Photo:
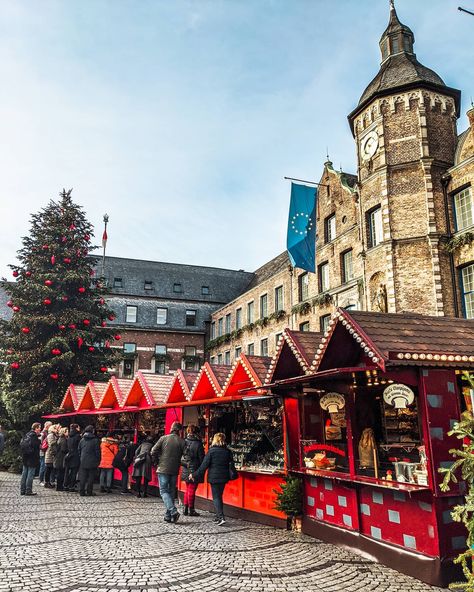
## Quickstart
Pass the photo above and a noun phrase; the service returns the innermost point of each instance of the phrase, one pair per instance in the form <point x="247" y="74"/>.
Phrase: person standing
<point x="108" y="450"/>
<point x="58" y="463"/>
<point x="89" y="459"/>
<point x="121" y="462"/>
<point x="50" y="455"/>
<point x="43" y="447"/>
<point x="71" y="462"/>
<point x="220" y="463"/>
<point x="30" y="451"/>
<point x="142" y="466"/>
<point x="192" y="458"/>
<point x="168" y="452"/>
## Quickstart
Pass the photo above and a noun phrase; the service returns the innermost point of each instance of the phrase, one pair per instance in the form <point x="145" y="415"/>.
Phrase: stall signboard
<point x="398" y="395"/>
<point x="332" y="402"/>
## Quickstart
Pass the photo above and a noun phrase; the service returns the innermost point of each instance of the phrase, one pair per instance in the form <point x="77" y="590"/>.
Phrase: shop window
<point x="227" y="323"/>
<point x="250" y="349"/>
<point x="148" y="285"/>
<point x="129" y="348"/>
<point x="161" y="316"/>
<point x="467" y="285"/>
<point x="323" y="277"/>
<point x="324" y="323"/>
<point x="118" y="282"/>
<point x="264" y="347"/>
<point x="190" y="318"/>
<point x="205" y="290"/>
<point x="238" y="351"/>
<point x="238" y="318"/>
<point x="304" y="326"/>
<point x="463" y="209"/>
<point x="131" y="314"/>
<point x="279" y="298"/>
<point x="374" y="227"/>
<point x="220" y="327"/>
<point x="303" y="287"/>
<point x="330" y="228"/>
<point x="263" y="306"/>
<point x="250" y="312"/>
<point x="347" y="271"/>
<point x="227" y="358"/>
<point x="213" y="330"/>
<point x="219" y="358"/>
<point x="178" y="288"/>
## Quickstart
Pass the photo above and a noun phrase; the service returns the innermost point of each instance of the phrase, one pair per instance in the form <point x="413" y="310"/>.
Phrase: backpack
<point x="25" y="445"/>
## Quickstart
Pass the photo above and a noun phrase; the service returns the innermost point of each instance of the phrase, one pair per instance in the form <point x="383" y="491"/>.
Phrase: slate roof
<point x="269" y="269"/>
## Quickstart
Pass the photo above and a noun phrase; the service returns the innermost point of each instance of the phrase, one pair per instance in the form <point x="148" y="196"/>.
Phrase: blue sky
<point x="180" y="119"/>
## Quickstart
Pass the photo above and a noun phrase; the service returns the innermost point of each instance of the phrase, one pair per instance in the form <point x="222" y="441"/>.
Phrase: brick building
<point x="398" y="236"/>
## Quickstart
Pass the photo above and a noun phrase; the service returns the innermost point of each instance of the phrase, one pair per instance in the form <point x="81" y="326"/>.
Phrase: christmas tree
<point x="58" y="332"/>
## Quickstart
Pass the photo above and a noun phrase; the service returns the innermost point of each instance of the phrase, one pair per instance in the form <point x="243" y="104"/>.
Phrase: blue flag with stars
<point x="301" y="236"/>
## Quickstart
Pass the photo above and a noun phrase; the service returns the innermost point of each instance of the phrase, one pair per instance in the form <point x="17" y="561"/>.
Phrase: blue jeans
<point x="106" y="477"/>
<point x="168" y="492"/>
<point x="27" y="475"/>
<point x="42" y="469"/>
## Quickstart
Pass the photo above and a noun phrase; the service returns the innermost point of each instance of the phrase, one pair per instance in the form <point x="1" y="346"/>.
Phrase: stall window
<point x="238" y="318"/>
<point x="131" y="314"/>
<point x="227" y="358"/>
<point x="227" y="323"/>
<point x="303" y="286"/>
<point x="161" y="316"/>
<point x="467" y="283"/>
<point x="250" y="349"/>
<point x="190" y="318"/>
<point x="263" y="306"/>
<point x="464" y="209"/>
<point x="250" y="312"/>
<point x="279" y="298"/>
<point x="264" y="347"/>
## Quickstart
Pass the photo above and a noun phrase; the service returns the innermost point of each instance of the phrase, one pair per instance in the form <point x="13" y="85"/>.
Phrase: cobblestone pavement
<point x="60" y="542"/>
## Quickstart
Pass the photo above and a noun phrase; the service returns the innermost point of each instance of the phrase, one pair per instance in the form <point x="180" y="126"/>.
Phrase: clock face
<point x="369" y="145"/>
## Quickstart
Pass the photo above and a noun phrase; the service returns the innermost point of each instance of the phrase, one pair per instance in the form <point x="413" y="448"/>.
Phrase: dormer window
<point x="118" y="282"/>
<point x="178" y="288"/>
<point x="148" y="285"/>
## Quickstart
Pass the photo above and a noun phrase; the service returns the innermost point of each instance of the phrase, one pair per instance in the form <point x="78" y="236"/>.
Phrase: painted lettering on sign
<point x="398" y="395"/>
<point x="332" y="402"/>
<point x="326" y="447"/>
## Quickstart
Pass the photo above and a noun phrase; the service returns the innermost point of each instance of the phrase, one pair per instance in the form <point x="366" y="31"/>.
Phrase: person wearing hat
<point x="167" y="453"/>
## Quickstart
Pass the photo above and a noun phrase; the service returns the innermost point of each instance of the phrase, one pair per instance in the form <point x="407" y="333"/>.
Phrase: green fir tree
<point x="58" y="333"/>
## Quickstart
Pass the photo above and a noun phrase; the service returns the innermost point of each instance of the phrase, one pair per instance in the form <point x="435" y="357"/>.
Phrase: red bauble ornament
<point x="45" y="247"/>
<point x="25" y="330"/>
<point x="87" y="237"/>
<point x="54" y="376"/>
<point x="67" y="260"/>
<point x="53" y="259"/>
<point x="111" y="317"/>
<point x="80" y="341"/>
<point x="101" y="301"/>
<point x="64" y="298"/>
<point x="15" y="308"/>
<point x="15" y="274"/>
<point x="91" y="348"/>
<point x="63" y="239"/>
<point x="10" y="303"/>
<point x="81" y="290"/>
<point x="9" y="352"/>
<point x="72" y="326"/>
<point x="117" y="337"/>
<point x="107" y="344"/>
<point x="72" y="227"/>
<point x="62" y="327"/>
<point x="55" y="351"/>
<point x="28" y="273"/>
<point x="104" y="324"/>
<point x="86" y="322"/>
<point x="47" y="301"/>
<point x="103" y="369"/>
<point x="48" y="283"/>
<point x="14" y="365"/>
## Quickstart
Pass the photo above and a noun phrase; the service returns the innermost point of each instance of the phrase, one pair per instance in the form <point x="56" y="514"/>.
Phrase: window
<point x="395" y="45"/>
<point x="467" y="280"/>
<point x="324" y="322"/>
<point x="128" y="367"/>
<point x="330" y="228"/>
<point x="264" y="347"/>
<point x="463" y="209"/>
<point x="238" y="318"/>
<point x="374" y="226"/>
<point x="219" y="359"/>
<point x="220" y="327"/>
<point x="161" y="350"/>
<point x="131" y="314"/>
<point x="177" y="288"/>
<point x="323" y="277"/>
<point x="212" y="359"/>
<point x="213" y="330"/>
<point x="161" y="316"/>
<point x="190" y="318"/>
<point x="303" y="287"/>
<point x="385" y="50"/>
<point x="160" y="359"/>
<point x="148" y="285"/>
<point x="129" y="348"/>
<point x="304" y="326"/>
<point x="250" y="349"/>
<point x="227" y="358"/>
<point x="190" y="357"/>
<point x="277" y="338"/>
<point x="205" y="290"/>
<point x="263" y="305"/>
<point x="347" y="272"/>
<point x="278" y="298"/>
<point x="118" y="282"/>
<point x="250" y="312"/>
<point x="238" y="351"/>
<point x="227" y="323"/>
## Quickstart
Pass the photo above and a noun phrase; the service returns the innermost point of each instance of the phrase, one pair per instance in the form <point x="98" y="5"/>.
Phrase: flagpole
<point x="291" y="270"/>
<point x="104" y="243"/>
<point x="303" y="181"/>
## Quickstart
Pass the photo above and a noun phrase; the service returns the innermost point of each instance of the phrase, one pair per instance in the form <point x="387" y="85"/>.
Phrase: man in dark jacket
<point x="89" y="455"/>
<point x="168" y="452"/>
<point x="71" y="462"/>
<point x="30" y="449"/>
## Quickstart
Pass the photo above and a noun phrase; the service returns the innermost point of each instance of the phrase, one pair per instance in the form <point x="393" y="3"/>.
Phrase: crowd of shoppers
<point x="65" y="457"/>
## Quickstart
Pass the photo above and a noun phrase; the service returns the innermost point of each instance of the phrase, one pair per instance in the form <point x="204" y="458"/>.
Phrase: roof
<point x="460" y="145"/>
<point x="302" y="346"/>
<point x="247" y="372"/>
<point x="157" y="385"/>
<point x="73" y="394"/>
<point x="270" y="269"/>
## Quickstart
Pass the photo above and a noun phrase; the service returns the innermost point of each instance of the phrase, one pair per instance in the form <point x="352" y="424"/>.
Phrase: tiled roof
<point x="260" y="366"/>
<point x="158" y="385"/>
<point x="221" y="372"/>
<point x="189" y="378"/>
<point x="121" y="387"/>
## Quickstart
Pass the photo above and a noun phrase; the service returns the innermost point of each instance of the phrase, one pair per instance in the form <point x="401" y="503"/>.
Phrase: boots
<point x="192" y="512"/>
<point x="185" y="511"/>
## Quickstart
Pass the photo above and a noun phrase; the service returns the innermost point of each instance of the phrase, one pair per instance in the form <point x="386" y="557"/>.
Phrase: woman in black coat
<point x="193" y="456"/>
<point x="220" y="463"/>
<point x="122" y="460"/>
<point x="142" y="466"/>
<point x="89" y="454"/>
<point x="71" y="462"/>
<point x="59" y="459"/>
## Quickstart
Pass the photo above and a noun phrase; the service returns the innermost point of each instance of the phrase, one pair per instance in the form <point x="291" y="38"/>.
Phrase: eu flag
<point x="301" y="236"/>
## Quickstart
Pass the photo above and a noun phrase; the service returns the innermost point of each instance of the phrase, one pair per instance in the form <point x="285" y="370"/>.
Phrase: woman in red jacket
<point x="108" y="450"/>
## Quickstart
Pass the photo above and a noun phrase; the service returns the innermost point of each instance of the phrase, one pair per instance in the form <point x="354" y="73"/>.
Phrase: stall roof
<point x="180" y="390"/>
<point x="294" y="354"/>
<point x="72" y="396"/>
<point x="92" y="395"/>
<point x="148" y="390"/>
<point x="209" y="382"/>
<point x="247" y="372"/>
<point x="116" y="392"/>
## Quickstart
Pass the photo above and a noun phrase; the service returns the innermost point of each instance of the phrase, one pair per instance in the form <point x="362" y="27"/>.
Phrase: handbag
<point x="233" y="475"/>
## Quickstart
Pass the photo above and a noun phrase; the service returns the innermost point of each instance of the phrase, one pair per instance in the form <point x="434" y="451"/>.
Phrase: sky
<point x="181" y="119"/>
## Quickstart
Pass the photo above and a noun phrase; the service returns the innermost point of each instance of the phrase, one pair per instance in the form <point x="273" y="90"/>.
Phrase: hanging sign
<point x="398" y="395"/>
<point x="332" y="402"/>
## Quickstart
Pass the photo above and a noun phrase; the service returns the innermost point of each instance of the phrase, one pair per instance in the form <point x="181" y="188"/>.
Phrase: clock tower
<point x="405" y="132"/>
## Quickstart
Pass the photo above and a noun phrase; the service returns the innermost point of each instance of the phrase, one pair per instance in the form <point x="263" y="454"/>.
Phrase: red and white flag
<point x="104" y="239"/>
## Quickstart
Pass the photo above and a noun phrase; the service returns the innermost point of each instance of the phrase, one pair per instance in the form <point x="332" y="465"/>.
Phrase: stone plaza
<point x="60" y="542"/>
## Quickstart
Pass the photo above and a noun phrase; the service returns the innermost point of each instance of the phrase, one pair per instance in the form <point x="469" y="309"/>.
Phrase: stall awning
<point x="294" y="355"/>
